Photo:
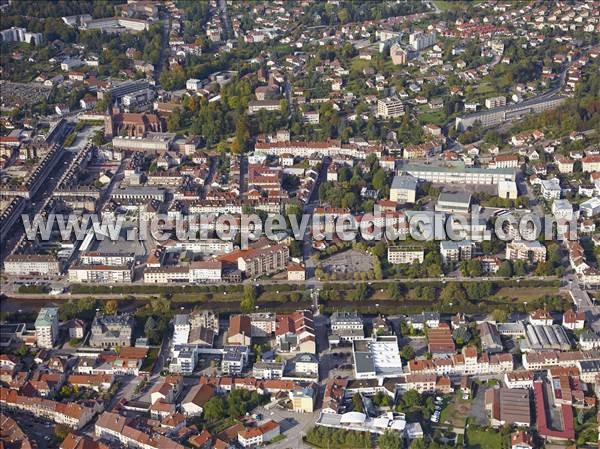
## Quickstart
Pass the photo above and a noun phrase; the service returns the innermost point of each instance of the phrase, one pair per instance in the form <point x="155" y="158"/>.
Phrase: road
<point x="162" y="58"/>
<point x="222" y="10"/>
<point x="309" y="209"/>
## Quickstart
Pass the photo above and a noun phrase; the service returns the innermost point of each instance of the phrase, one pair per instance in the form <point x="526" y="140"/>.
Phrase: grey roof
<point x="404" y="182"/>
<point x="233" y="353"/>
<point x="589" y="336"/>
<point x="589" y="366"/>
<point x="181" y="319"/>
<point x="46" y="316"/>
<point x="364" y="362"/>
<point x="456" y="197"/>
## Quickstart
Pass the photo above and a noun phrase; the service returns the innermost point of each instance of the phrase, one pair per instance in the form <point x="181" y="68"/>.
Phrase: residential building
<point x="495" y="102"/>
<point x="240" y="330"/>
<point x="550" y="189"/>
<point x="454" y="251"/>
<point x="590" y="208"/>
<point x="117" y="428"/>
<point x="259" y="435"/>
<point x="257" y="262"/>
<point x="398" y="54"/>
<point x="31" y="264"/>
<point x="46" y="327"/>
<point x="235" y="359"/>
<point x="181" y="329"/>
<point x="519" y="379"/>
<point x="591" y="163"/>
<point x="424" y="320"/>
<point x="346" y="326"/>
<point x="521" y="440"/>
<point x="390" y="107"/>
<point x="262" y="324"/>
<point x="531" y="251"/>
<point x="405" y="254"/>
<point x="194" y="401"/>
<point x="303" y="399"/>
<point x="562" y="209"/>
<point x="419" y="40"/>
<point x="109" y="331"/>
<point x="573" y="320"/>
<point x="295" y="332"/>
<point x="71" y="414"/>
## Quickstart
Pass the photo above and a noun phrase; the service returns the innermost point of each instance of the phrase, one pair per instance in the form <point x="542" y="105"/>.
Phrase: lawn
<point x="456" y="411"/>
<point x="436" y="117"/>
<point x="522" y="294"/>
<point x="358" y="64"/>
<point x="447" y="5"/>
<point x="148" y="362"/>
<point x="483" y="439"/>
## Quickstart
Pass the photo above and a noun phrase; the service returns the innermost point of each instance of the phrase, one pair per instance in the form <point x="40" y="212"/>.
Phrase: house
<point x="422" y="320"/>
<point x="75" y="441"/>
<point x="259" y="435"/>
<point x="76" y="328"/>
<point x="540" y="317"/>
<point x="88" y="101"/>
<point x="573" y="320"/>
<point x="521" y="440"/>
<point x="589" y="340"/>
<point x="296" y="272"/>
<point x="564" y="164"/>
<point x="193" y="403"/>
<point x="591" y="163"/>
<point x="240" y="330"/>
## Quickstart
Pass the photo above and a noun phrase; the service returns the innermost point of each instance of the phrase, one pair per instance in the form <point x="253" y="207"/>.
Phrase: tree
<point x="241" y="136"/>
<point x="499" y="315"/>
<point x="349" y="200"/>
<point x="379" y="179"/>
<point x="174" y="120"/>
<point x="249" y="300"/>
<point x="357" y="404"/>
<point x="151" y="330"/>
<point x="411" y="398"/>
<point x="215" y="409"/>
<point x="61" y="431"/>
<point x="471" y="268"/>
<point x="505" y="270"/>
<point x="111" y="307"/>
<point x="519" y="268"/>
<point x="453" y="292"/>
<point x="407" y="352"/>
<point x="390" y="440"/>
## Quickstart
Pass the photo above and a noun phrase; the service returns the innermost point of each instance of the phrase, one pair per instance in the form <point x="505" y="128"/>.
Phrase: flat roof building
<point x="376" y="357"/>
<point x="459" y="202"/>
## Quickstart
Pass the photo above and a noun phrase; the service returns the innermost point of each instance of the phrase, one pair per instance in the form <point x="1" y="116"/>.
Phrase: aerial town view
<point x="299" y="224"/>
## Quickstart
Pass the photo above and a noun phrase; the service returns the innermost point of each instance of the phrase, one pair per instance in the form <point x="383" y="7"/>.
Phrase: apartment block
<point x="46" y="327"/>
<point x="530" y="251"/>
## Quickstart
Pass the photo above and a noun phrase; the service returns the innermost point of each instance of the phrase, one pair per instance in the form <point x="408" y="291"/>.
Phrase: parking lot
<point x="39" y="430"/>
<point x="350" y="261"/>
<point x="298" y="423"/>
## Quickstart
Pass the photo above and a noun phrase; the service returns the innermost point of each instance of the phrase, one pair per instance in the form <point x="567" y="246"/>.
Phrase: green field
<point x="483" y="439"/>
